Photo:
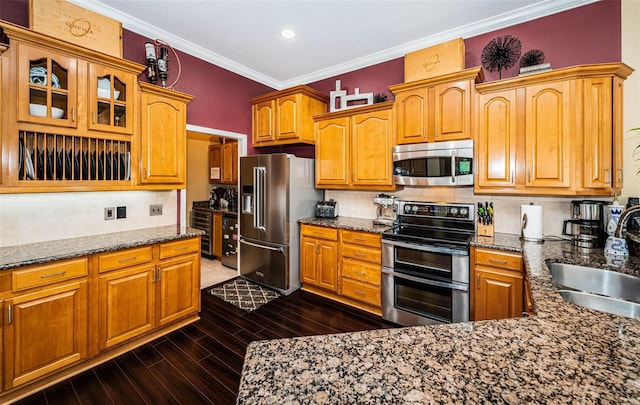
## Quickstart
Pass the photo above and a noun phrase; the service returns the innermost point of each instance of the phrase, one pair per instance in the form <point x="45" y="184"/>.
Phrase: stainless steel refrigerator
<point x="276" y="190"/>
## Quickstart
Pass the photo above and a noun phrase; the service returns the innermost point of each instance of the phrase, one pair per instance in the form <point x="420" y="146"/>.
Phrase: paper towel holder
<point x="523" y="225"/>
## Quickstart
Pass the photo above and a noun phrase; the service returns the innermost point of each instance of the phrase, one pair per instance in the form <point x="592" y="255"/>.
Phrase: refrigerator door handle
<point x="256" y="200"/>
<point x="275" y="249"/>
<point x="260" y="197"/>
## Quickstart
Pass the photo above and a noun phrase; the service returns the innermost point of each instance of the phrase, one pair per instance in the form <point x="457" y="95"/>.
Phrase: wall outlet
<point x="121" y="212"/>
<point x="155" y="209"/>
<point x="109" y="213"/>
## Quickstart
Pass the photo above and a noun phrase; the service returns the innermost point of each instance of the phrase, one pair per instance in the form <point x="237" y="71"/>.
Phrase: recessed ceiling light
<point x="288" y="33"/>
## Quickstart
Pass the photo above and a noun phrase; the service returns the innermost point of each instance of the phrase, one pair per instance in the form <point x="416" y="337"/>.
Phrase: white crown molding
<point x="532" y="12"/>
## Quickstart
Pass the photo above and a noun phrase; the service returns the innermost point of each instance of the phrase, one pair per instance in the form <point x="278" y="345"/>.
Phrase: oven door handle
<point x="426" y="247"/>
<point x="419" y="280"/>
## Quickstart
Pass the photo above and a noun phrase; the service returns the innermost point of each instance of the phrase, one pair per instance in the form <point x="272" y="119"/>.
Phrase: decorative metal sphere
<point x="532" y="58"/>
<point x="501" y="53"/>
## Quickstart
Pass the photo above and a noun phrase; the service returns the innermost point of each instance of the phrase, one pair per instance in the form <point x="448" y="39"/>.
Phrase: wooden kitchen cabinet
<point x="496" y="139"/>
<point x="353" y="148"/>
<point x="554" y="133"/>
<point x="436" y="109"/>
<point x="112" y="109"/>
<point x="285" y="117"/>
<point x="497" y="284"/>
<point x="63" y="317"/>
<point x="178" y="280"/>
<point x="319" y="259"/>
<point x="361" y="269"/>
<point x="125" y="286"/>
<point x="142" y="293"/>
<point x="223" y="163"/>
<point x="215" y="164"/>
<point x="230" y="162"/>
<point x="46" y="323"/>
<point x="163" y="136"/>
<point x="65" y="134"/>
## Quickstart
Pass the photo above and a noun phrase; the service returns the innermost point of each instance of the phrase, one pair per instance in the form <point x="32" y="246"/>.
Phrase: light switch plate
<point x="109" y="213"/>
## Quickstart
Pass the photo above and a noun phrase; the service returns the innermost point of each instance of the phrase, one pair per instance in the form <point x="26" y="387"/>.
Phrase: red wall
<point x="589" y="34"/>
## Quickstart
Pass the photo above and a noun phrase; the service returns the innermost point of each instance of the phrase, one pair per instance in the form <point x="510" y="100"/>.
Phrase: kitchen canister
<point x="531" y="222"/>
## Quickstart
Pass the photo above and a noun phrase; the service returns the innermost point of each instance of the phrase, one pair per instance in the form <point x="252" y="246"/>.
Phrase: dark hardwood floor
<point x="202" y="363"/>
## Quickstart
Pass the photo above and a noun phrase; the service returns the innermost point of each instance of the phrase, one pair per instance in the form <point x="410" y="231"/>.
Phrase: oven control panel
<point x="438" y="210"/>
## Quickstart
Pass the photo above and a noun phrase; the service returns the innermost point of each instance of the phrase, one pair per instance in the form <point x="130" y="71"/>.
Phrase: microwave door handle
<point x="453" y="166"/>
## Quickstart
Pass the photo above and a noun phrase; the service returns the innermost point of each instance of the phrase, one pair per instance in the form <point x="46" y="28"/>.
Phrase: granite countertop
<point x="43" y="252"/>
<point x="562" y="354"/>
<point x="350" y="223"/>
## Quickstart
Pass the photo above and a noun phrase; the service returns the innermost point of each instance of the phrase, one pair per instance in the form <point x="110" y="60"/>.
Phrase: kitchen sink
<point x="598" y="289"/>
<point x="602" y="303"/>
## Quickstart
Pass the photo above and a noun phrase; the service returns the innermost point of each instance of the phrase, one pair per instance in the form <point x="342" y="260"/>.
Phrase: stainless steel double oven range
<point x="425" y="264"/>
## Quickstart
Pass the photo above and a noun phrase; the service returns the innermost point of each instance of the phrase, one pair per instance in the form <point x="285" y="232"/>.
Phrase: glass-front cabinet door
<point x="110" y="99"/>
<point x="47" y="87"/>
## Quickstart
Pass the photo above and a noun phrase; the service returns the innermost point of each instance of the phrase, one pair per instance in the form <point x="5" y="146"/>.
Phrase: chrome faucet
<point x="624" y="217"/>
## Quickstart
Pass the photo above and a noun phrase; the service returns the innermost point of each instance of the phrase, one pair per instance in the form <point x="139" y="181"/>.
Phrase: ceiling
<point x="334" y="36"/>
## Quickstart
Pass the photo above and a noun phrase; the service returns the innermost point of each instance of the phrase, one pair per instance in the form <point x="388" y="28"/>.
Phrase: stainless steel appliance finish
<point x="202" y="218"/>
<point x="229" y="240"/>
<point x="586" y="226"/>
<point x="434" y="164"/>
<point x="425" y="264"/>
<point x="275" y="192"/>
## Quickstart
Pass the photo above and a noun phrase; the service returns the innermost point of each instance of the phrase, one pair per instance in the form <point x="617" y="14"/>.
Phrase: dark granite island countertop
<point x="43" y="252"/>
<point x="563" y="354"/>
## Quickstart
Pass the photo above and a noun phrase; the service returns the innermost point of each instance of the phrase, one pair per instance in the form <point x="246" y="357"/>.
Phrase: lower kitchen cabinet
<point x="361" y="266"/>
<point x="126" y="304"/>
<point x="497" y="284"/>
<point x="342" y="265"/>
<point x="63" y="317"/>
<point x="134" y="300"/>
<point x="178" y="281"/>
<point x="319" y="258"/>
<point x="46" y="322"/>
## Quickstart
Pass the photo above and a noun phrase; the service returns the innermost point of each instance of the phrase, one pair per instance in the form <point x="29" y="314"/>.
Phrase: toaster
<point x="327" y="209"/>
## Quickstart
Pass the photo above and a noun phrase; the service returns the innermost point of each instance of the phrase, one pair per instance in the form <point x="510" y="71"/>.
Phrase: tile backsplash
<point x="507" y="208"/>
<point x="29" y="218"/>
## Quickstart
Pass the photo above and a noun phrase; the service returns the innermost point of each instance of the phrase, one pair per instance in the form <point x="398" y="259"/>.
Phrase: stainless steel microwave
<point x="434" y="164"/>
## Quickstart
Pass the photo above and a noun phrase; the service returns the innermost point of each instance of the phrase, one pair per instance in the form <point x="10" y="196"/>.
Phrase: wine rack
<point x="47" y="157"/>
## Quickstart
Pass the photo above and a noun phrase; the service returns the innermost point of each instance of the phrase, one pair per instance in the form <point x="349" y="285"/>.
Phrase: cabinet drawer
<point x="361" y="291"/>
<point x="48" y="273"/>
<point x="495" y="258"/>
<point x="124" y="258"/>
<point x="361" y="271"/>
<point x="319" y="232"/>
<point x="361" y="238"/>
<point x="179" y="247"/>
<point x="362" y="253"/>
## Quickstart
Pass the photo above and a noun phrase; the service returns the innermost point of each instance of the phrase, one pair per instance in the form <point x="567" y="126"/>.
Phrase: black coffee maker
<point x="586" y="226"/>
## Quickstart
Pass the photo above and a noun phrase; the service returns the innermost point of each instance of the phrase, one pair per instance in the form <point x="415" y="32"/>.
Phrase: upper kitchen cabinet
<point x="68" y="115"/>
<point x="223" y="163"/>
<point x="47" y="87"/>
<point x="286" y="117"/>
<point x="555" y="133"/>
<point x="163" y="136"/>
<point x="111" y="99"/>
<point x="436" y="109"/>
<point x="230" y="162"/>
<point x="353" y="148"/>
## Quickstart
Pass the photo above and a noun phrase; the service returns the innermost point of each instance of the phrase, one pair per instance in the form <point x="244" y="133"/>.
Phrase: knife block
<point x="485" y="230"/>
